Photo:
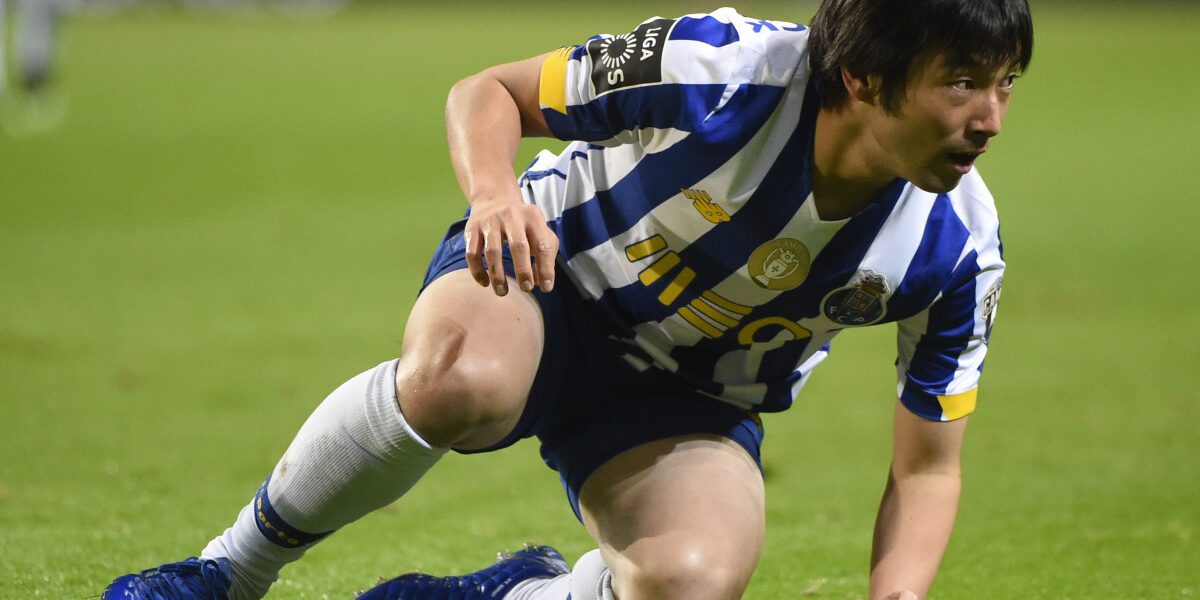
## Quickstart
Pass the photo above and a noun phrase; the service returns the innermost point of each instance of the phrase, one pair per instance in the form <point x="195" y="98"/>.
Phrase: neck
<point x="844" y="179"/>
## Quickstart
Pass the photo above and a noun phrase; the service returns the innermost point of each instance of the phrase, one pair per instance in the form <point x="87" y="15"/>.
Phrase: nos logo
<point x="629" y="59"/>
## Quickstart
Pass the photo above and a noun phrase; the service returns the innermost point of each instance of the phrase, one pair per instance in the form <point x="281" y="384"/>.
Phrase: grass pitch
<point x="236" y="212"/>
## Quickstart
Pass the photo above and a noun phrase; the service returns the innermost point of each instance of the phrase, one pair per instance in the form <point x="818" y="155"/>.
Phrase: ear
<point x="862" y="88"/>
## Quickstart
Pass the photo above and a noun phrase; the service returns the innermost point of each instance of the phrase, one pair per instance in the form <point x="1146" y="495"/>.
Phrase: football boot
<point x="191" y="579"/>
<point x="532" y="562"/>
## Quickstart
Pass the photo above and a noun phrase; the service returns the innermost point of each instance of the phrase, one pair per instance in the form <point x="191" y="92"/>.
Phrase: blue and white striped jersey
<point x="685" y="215"/>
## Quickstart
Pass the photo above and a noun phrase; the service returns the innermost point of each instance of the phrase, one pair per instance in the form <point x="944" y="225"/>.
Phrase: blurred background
<point x="214" y="212"/>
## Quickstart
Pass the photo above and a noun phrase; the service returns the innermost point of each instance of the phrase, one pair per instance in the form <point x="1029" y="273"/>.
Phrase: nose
<point x="988" y="116"/>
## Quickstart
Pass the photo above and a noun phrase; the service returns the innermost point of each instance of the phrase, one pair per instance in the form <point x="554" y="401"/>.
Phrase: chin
<point x="937" y="185"/>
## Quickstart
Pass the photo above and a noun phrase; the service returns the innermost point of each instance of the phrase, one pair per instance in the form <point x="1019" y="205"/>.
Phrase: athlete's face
<point x="945" y="121"/>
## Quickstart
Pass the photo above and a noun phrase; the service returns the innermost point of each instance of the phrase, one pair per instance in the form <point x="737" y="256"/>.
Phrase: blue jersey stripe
<point x="581" y="50"/>
<point x="951" y="325"/>
<point x="706" y="29"/>
<point x="536" y="175"/>
<point x="676" y="105"/>
<point x="660" y="176"/>
<point x="723" y="250"/>
<point x="941" y="244"/>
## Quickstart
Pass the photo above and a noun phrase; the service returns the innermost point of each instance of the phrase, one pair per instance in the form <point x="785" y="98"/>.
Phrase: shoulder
<point x="722" y="46"/>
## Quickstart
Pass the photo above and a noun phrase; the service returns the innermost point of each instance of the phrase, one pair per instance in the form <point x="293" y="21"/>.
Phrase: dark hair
<point x="884" y="37"/>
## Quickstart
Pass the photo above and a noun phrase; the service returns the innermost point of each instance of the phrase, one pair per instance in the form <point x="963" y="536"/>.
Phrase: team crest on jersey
<point x="629" y="59"/>
<point x="780" y="264"/>
<point x="860" y="303"/>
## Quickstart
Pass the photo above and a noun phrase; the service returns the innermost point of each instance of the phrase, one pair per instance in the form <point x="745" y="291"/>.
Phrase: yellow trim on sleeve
<point x="552" y="91"/>
<point x="958" y="406"/>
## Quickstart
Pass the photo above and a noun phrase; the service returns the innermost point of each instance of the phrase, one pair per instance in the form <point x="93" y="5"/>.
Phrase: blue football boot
<point x="191" y="579"/>
<point x="494" y="582"/>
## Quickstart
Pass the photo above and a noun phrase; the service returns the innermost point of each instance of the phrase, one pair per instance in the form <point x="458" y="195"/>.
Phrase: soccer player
<point x="738" y="191"/>
<point x="34" y="30"/>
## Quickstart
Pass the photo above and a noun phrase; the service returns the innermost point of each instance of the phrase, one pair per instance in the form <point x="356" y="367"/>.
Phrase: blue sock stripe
<point x="274" y="528"/>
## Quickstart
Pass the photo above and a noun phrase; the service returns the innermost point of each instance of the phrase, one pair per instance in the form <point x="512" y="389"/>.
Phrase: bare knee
<point x="697" y="570"/>
<point x="452" y="397"/>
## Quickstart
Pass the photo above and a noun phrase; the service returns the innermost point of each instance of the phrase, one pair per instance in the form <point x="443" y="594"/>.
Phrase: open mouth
<point x="962" y="161"/>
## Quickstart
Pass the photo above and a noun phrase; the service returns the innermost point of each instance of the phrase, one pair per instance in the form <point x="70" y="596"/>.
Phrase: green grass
<point x="236" y="213"/>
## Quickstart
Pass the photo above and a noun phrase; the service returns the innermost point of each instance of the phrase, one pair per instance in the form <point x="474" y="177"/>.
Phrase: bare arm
<point x="919" y="504"/>
<point x="486" y="116"/>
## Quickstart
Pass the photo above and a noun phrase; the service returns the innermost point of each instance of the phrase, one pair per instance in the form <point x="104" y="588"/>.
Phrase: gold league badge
<point x="779" y="264"/>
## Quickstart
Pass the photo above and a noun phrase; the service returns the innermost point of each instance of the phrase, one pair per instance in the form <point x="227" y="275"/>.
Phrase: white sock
<point x="589" y="580"/>
<point x="355" y="454"/>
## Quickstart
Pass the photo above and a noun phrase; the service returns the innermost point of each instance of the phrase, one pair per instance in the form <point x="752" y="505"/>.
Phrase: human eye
<point x="1008" y="82"/>
<point x="963" y="85"/>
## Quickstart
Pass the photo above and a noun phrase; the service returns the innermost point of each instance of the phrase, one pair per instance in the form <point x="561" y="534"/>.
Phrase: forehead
<point x="941" y="63"/>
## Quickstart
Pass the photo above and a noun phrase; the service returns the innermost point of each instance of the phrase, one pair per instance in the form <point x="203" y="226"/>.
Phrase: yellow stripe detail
<point x="658" y="268"/>
<point x="746" y="335"/>
<point x="644" y="248"/>
<point x="958" y="406"/>
<point x="552" y="91"/>
<point x="699" y="323"/>
<point x="726" y="303"/>
<point x="676" y="287"/>
<point x="713" y="313"/>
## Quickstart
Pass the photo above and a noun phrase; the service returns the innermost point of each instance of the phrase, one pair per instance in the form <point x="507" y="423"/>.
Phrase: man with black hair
<point x="738" y="191"/>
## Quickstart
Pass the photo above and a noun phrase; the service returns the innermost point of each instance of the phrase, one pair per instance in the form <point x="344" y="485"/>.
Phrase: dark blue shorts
<point x="587" y="404"/>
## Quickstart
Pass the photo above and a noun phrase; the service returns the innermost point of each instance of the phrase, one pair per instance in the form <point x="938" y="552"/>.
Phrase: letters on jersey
<point x="629" y="59"/>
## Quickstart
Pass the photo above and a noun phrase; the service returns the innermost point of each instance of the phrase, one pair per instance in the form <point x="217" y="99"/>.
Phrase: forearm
<point x="486" y="116"/>
<point x="915" y="519"/>
<point x="483" y="128"/>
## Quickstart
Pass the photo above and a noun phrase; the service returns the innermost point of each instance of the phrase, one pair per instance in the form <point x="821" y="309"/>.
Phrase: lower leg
<point x="355" y="454"/>
<point x="678" y="518"/>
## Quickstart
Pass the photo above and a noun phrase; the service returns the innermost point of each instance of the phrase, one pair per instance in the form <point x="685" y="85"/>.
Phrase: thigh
<point x="681" y="517"/>
<point x="471" y="353"/>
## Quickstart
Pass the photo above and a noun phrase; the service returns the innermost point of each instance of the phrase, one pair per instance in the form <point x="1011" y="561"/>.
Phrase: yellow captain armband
<point x="552" y="89"/>
<point x="957" y="406"/>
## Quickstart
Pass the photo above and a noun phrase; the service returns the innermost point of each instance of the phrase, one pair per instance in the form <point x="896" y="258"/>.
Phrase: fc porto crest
<point x="780" y="264"/>
<point x="863" y="302"/>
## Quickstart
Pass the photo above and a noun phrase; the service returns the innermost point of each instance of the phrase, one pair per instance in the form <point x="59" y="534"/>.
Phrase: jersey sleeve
<point x="666" y="74"/>
<point x="942" y="349"/>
